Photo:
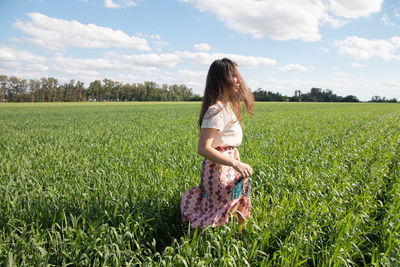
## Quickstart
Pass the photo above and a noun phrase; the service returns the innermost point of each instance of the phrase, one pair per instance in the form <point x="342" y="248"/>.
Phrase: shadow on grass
<point x="146" y="218"/>
<point x="163" y="220"/>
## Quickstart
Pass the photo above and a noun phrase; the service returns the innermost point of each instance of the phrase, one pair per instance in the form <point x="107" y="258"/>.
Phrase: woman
<point x="224" y="189"/>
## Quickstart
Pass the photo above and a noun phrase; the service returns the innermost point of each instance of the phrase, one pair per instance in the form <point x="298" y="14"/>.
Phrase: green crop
<point x="100" y="184"/>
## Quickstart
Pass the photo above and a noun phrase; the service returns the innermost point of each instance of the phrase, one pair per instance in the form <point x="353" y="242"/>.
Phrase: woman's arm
<point x="205" y="149"/>
<point x="237" y="156"/>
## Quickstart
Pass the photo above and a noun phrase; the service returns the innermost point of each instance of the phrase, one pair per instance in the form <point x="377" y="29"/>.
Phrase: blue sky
<point x="348" y="46"/>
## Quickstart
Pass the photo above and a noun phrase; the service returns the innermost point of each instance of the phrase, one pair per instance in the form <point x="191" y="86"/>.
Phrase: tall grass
<point x="100" y="184"/>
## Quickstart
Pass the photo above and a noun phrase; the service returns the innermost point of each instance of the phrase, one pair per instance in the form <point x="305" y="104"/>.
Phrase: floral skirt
<point x="222" y="191"/>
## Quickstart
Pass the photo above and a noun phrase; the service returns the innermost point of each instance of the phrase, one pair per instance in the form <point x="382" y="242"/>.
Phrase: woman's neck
<point x="222" y="102"/>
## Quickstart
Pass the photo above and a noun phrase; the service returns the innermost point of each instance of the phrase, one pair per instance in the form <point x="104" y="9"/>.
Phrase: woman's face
<point x="236" y="83"/>
<point x="235" y="80"/>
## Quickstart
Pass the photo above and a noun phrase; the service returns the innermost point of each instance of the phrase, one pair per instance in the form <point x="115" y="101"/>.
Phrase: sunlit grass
<point x="100" y="183"/>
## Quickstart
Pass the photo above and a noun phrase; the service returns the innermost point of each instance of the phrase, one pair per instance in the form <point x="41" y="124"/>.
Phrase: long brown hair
<point x="219" y="86"/>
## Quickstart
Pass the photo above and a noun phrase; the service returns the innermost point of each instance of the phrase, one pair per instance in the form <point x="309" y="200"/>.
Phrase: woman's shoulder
<point x="215" y="106"/>
<point x="214" y="109"/>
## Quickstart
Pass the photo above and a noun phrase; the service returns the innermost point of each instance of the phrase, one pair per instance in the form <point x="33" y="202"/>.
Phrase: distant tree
<point x="296" y="97"/>
<point x="79" y="92"/>
<point x="12" y="86"/>
<point x="315" y="95"/>
<point x="3" y="87"/>
<point x="68" y="91"/>
<point x="261" y="95"/>
<point x="95" y="90"/>
<point x="17" y="90"/>
<point x="34" y="87"/>
<point x="195" y="97"/>
<point x="150" y="89"/>
<point x="378" y="99"/>
<point x="350" y="98"/>
<point x="52" y="84"/>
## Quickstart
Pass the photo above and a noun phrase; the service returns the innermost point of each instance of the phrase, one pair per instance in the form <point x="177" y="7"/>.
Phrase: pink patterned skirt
<point x="222" y="191"/>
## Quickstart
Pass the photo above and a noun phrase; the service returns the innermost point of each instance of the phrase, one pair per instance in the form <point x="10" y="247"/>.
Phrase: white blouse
<point x="229" y="130"/>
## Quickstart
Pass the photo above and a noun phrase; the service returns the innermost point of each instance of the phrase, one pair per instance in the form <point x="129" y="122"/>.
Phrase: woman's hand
<point x="244" y="169"/>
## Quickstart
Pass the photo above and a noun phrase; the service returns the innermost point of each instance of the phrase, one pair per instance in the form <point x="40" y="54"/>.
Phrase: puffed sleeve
<point x="213" y="118"/>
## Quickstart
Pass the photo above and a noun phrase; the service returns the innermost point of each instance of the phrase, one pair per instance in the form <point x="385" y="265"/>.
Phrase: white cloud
<point x="154" y="39"/>
<point x="160" y="43"/>
<point x="358" y="65"/>
<point x="128" y="3"/>
<point x="202" y="46"/>
<point x="355" y="8"/>
<point x="8" y="53"/>
<point x="118" y="3"/>
<point x="397" y="12"/>
<point x="294" y="68"/>
<point x="23" y="64"/>
<point x="148" y="60"/>
<point x="166" y="77"/>
<point x="122" y="64"/>
<point x="392" y="83"/>
<point x="110" y="4"/>
<point x="204" y="58"/>
<point x="195" y="79"/>
<point x="149" y="36"/>
<point x="325" y="50"/>
<point x="361" y="48"/>
<point x="192" y="74"/>
<point x="286" y="20"/>
<point x="386" y="20"/>
<point x="339" y="74"/>
<point x="279" y="20"/>
<point x="56" y="34"/>
<point x="14" y="61"/>
<point x="334" y="22"/>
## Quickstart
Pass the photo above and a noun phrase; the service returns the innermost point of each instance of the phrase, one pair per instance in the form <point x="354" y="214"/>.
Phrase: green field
<point x="100" y="184"/>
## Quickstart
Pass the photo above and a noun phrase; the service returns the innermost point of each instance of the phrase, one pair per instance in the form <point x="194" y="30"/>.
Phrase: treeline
<point x="315" y="95"/>
<point x="13" y="89"/>
<point x="379" y="99"/>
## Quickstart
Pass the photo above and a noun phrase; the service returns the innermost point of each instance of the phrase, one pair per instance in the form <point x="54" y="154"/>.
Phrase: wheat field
<point x="100" y="184"/>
